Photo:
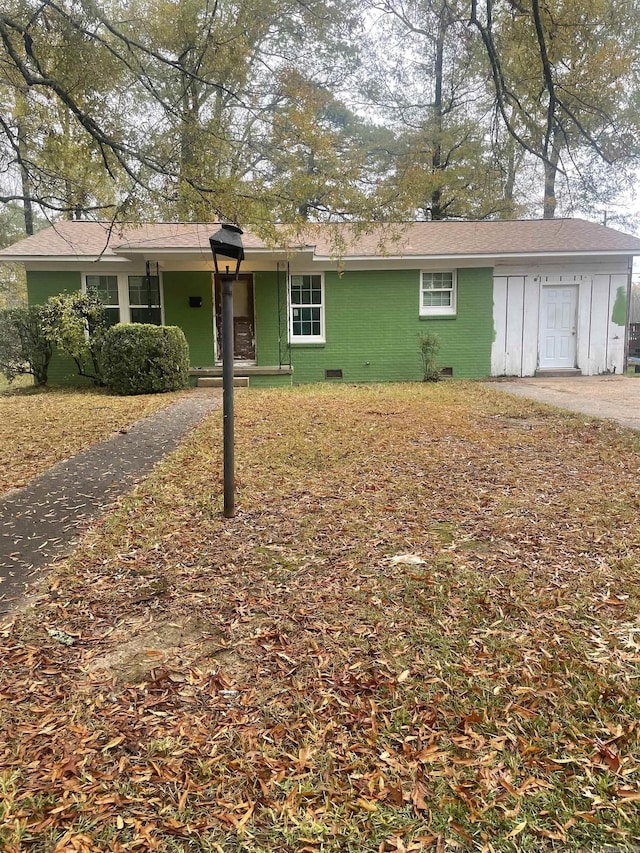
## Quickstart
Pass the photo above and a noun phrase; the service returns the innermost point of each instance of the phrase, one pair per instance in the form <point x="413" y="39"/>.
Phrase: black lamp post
<point x="227" y="242"/>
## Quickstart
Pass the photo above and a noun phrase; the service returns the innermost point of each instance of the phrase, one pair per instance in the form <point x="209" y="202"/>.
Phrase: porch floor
<point x="242" y="369"/>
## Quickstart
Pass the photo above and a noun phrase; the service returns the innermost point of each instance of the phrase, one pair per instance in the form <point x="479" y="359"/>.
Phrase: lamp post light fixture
<point x="227" y="243"/>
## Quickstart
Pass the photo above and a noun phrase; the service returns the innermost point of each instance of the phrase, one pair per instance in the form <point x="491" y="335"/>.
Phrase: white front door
<point x="557" y="345"/>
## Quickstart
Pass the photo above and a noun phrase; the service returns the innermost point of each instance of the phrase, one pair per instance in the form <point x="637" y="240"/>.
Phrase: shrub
<point x="429" y="346"/>
<point x="25" y="347"/>
<point x="76" y="323"/>
<point x="138" y="358"/>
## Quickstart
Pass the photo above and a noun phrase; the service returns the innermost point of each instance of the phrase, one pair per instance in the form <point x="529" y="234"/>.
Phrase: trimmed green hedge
<point x="139" y="358"/>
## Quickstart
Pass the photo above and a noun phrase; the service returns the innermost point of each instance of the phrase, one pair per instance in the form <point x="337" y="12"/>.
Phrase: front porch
<point x="245" y="375"/>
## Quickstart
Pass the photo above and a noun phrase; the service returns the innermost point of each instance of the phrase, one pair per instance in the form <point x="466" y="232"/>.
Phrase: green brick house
<point x="505" y="298"/>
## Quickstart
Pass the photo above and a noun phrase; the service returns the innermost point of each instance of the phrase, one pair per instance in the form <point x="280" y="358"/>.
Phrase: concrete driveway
<point x="615" y="397"/>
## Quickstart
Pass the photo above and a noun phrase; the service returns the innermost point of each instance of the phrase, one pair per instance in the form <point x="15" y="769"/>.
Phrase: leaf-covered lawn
<point x="40" y="427"/>
<point x="420" y="632"/>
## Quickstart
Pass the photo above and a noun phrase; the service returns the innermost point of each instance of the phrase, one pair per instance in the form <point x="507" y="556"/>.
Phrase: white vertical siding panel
<point x="531" y="322"/>
<point x="615" y="360"/>
<point x="499" y="346"/>
<point x="516" y="314"/>
<point x="600" y="312"/>
<point x="515" y="317"/>
<point x="583" y="325"/>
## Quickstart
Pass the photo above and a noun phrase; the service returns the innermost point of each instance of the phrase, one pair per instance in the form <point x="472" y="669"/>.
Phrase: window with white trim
<point x="306" y="309"/>
<point x="438" y="293"/>
<point x="106" y="286"/>
<point x="127" y="298"/>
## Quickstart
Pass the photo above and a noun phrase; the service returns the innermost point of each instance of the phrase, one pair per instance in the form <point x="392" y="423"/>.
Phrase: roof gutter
<point x="60" y="259"/>
<point x="481" y="257"/>
<point x="190" y="250"/>
<point x="122" y="258"/>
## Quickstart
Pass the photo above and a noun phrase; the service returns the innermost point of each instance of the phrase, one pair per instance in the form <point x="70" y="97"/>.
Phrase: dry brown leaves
<point x="420" y="632"/>
<point x="41" y="427"/>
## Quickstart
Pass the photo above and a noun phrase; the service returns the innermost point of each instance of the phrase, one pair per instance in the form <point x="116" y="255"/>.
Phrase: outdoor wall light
<point x="227" y="243"/>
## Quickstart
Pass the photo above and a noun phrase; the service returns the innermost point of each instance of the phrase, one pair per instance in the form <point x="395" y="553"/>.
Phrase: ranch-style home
<point x="507" y="298"/>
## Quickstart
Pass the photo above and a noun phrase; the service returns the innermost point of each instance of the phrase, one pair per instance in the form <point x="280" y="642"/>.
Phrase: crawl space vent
<point x="333" y="374"/>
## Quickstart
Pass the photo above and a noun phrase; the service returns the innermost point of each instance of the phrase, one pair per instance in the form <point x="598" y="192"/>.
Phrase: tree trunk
<point x="550" y="175"/>
<point x="510" y="182"/>
<point x="436" y="158"/>
<point x="189" y="124"/>
<point x="27" y="203"/>
<point x="20" y="112"/>
<point x="304" y="208"/>
<point x="509" y="166"/>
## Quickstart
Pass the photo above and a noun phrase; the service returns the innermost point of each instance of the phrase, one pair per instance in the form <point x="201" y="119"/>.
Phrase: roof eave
<point x="122" y="257"/>
<point x="200" y="250"/>
<point x="59" y="259"/>
<point x="482" y="257"/>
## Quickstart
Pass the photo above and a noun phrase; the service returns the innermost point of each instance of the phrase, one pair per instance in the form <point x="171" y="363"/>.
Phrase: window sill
<point x="437" y="316"/>
<point x="316" y="344"/>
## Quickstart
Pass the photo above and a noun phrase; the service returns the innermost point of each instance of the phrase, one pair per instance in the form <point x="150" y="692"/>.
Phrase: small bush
<point x="138" y="358"/>
<point x="428" y="347"/>
<point x="25" y="346"/>
<point x="76" y="323"/>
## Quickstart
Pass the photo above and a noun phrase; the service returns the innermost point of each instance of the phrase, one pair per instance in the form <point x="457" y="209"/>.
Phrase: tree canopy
<point x="289" y="110"/>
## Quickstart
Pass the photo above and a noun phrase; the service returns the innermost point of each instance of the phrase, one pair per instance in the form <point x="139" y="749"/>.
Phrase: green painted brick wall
<point x="196" y="323"/>
<point x="372" y="326"/>
<point x="270" y="295"/>
<point x="283" y="381"/>
<point x="40" y="286"/>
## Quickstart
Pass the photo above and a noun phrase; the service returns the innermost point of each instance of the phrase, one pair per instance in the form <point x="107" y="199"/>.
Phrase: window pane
<point x="139" y="292"/>
<point x="113" y="316"/>
<point x="146" y="315"/>
<point x="135" y="292"/>
<point x="436" y="298"/>
<point x="306" y="290"/>
<point x="437" y="280"/>
<point x="306" y="321"/>
<point x="106" y="286"/>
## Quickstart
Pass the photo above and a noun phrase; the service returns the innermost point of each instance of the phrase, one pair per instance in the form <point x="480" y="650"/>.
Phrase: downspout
<point x="625" y="363"/>
<point x="606" y="347"/>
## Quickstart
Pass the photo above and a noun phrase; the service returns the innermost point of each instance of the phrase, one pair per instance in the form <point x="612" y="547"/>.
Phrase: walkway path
<point x="44" y="520"/>
<point x="614" y="397"/>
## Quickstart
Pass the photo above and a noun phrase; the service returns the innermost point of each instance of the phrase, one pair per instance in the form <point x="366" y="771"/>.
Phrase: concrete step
<point x="567" y="372"/>
<point x="216" y="382"/>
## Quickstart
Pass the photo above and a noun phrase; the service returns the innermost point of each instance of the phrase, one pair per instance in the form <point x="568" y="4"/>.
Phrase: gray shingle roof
<point x="76" y="240"/>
